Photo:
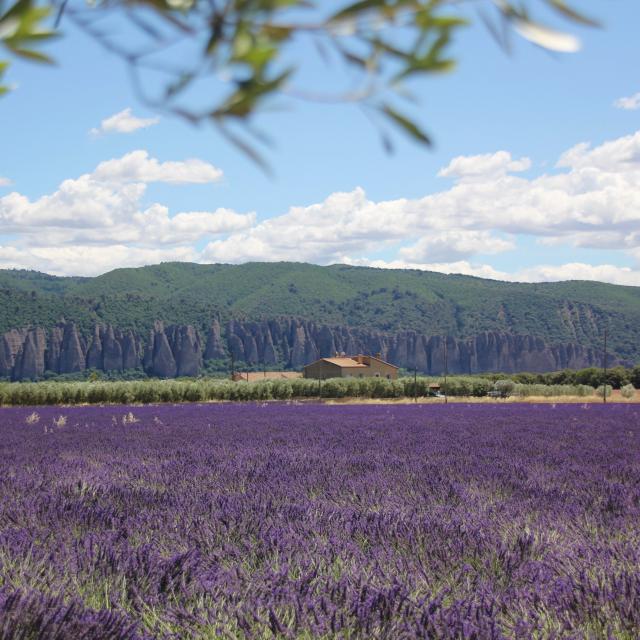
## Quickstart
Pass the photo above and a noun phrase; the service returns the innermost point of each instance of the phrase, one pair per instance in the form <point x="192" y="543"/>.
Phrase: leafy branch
<point x="248" y="50"/>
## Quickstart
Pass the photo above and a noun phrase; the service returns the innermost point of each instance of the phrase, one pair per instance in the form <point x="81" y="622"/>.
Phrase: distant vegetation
<point x="617" y="377"/>
<point x="377" y="299"/>
<point x="212" y="389"/>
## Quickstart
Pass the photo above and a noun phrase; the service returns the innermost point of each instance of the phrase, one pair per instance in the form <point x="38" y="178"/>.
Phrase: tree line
<point x="211" y="389"/>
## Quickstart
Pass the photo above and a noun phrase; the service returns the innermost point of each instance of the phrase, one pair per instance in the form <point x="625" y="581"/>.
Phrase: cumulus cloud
<point x="455" y="245"/>
<point x="138" y="167"/>
<point x="5" y="182"/>
<point x="123" y="122"/>
<point x="484" y="167"/>
<point x="99" y="221"/>
<point x="590" y="199"/>
<point x="593" y="200"/>
<point x="344" y="224"/>
<point x="629" y="104"/>
<point x="110" y="198"/>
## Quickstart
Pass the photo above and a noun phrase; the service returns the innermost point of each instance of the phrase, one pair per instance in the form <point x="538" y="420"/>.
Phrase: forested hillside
<point x="363" y="305"/>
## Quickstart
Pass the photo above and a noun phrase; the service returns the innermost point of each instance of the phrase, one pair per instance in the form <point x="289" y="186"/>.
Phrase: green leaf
<point x="244" y="101"/>
<point x="4" y="65"/>
<point x="19" y="9"/>
<point x="407" y="125"/>
<point x="30" y="54"/>
<point x="358" y="8"/>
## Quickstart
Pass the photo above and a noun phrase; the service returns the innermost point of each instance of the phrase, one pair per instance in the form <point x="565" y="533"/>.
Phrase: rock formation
<point x="215" y="347"/>
<point x="179" y="350"/>
<point x="72" y="356"/>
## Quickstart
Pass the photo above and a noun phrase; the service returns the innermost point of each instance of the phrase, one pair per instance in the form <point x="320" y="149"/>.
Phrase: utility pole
<point x="415" y="383"/>
<point x="604" y="363"/>
<point x="233" y="366"/>
<point x="445" y="370"/>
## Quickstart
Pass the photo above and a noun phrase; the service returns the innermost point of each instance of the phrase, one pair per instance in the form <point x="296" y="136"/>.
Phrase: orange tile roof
<point x="345" y="362"/>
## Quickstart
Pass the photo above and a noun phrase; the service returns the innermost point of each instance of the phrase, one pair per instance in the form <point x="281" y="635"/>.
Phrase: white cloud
<point x="580" y="271"/>
<point x="137" y="166"/>
<point x="484" y="167"/>
<point x="99" y="221"/>
<point x="590" y="200"/>
<point x="5" y="182"/>
<point x="455" y="245"/>
<point x="539" y="273"/>
<point x="344" y="224"/>
<point x="123" y="122"/>
<point x="89" y="260"/>
<point x="106" y="205"/>
<point x="463" y="267"/>
<point x="629" y="104"/>
<point x="593" y="201"/>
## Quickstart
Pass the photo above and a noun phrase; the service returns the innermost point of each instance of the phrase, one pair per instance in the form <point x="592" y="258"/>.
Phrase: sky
<point x="534" y="174"/>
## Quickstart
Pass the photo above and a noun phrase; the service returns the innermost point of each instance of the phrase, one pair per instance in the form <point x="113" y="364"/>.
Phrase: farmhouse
<point x="359" y="366"/>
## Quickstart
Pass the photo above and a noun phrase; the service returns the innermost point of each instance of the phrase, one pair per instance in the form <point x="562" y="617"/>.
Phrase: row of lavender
<point x="258" y="521"/>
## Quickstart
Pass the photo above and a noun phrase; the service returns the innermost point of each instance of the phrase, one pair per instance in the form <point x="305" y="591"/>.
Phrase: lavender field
<point x="305" y="521"/>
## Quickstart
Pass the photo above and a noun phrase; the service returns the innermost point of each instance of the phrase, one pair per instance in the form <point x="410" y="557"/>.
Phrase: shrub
<point x="550" y="390"/>
<point x="628" y="391"/>
<point x="504" y="387"/>
<point x="604" y="391"/>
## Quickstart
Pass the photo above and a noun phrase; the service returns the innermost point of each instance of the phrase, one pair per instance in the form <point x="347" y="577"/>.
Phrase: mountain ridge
<point x="387" y="302"/>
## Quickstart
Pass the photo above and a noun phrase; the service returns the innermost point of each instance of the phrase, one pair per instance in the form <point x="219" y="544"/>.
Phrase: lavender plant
<point x="314" y="521"/>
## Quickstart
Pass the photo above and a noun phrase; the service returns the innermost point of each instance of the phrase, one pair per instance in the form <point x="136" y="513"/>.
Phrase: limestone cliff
<point x="179" y="350"/>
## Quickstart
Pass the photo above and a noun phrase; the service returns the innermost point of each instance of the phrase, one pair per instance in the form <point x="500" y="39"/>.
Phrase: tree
<point x="244" y="49"/>
<point x="617" y="377"/>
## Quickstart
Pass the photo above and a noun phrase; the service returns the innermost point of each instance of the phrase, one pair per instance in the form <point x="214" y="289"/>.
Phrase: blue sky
<point x="511" y="190"/>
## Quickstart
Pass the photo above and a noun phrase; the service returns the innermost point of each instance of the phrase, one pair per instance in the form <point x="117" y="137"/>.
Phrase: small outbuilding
<point x="342" y="366"/>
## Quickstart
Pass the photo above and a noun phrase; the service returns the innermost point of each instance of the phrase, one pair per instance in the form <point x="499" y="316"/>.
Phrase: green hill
<point x="380" y="299"/>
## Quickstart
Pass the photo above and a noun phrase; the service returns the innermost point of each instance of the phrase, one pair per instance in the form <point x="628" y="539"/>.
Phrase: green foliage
<point x="151" y="391"/>
<point x="628" y="391"/>
<point x="604" y="390"/>
<point x="22" y="28"/>
<point x="504" y="387"/>
<point x="548" y="390"/>
<point x="376" y="299"/>
<point x="251" y="44"/>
